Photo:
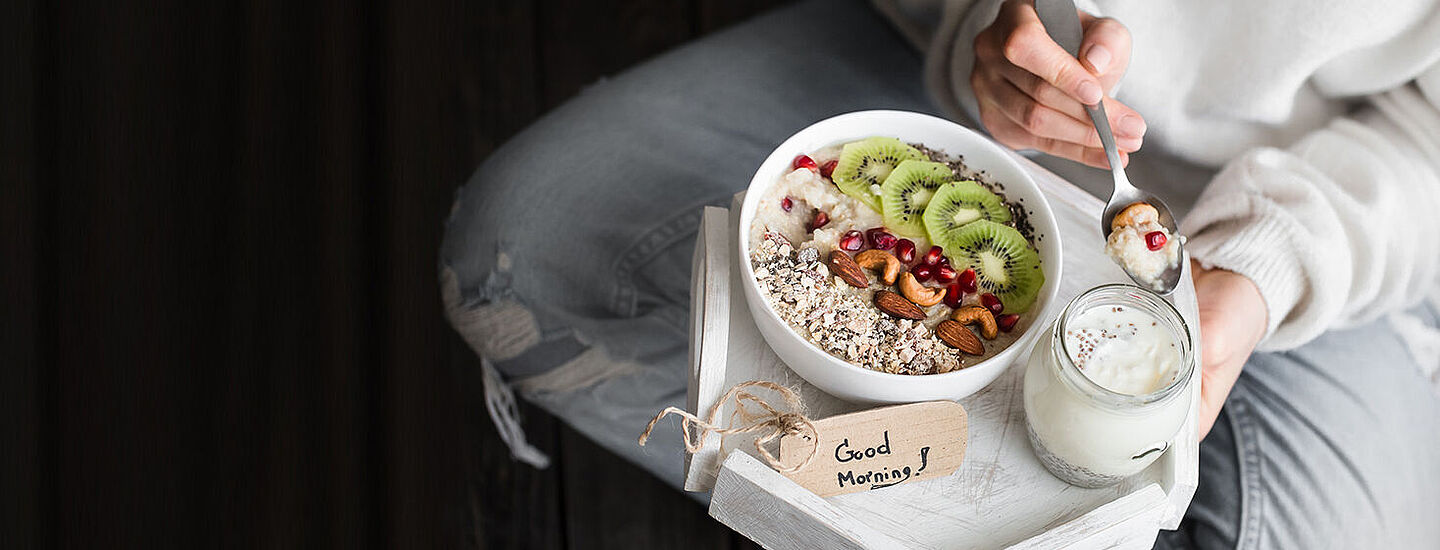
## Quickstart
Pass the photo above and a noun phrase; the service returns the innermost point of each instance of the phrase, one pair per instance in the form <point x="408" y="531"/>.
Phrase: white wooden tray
<point x="1001" y="497"/>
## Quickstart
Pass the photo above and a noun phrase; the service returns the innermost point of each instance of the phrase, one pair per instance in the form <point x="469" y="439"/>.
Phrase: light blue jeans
<point x="566" y="264"/>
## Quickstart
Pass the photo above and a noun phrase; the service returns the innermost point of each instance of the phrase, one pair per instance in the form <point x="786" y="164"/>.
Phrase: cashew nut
<point x="922" y="295"/>
<point x="878" y="259"/>
<point x="1136" y="214"/>
<point x="970" y="315"/>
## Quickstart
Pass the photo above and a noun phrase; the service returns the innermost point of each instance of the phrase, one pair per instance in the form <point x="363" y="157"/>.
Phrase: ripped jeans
<point x="566" y="266"/>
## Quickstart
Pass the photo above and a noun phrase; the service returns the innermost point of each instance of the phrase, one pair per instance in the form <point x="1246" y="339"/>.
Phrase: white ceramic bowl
<point x="853" y="383"/>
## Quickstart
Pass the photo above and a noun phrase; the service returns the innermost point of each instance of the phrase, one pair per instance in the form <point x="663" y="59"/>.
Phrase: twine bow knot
<point x="772" y="423"/>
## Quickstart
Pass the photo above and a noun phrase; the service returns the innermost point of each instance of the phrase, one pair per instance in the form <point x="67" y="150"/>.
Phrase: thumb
<point x="1105" y="50"/>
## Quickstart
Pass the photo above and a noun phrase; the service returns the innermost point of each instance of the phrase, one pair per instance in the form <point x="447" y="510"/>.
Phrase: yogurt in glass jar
<point x="1108" y="388"/>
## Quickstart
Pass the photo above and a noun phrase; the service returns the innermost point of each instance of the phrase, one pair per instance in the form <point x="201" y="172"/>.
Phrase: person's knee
<point x="535" y="285"/>
<point x="491" y="276"/>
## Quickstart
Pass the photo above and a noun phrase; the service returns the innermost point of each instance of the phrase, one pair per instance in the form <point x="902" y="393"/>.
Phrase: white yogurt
<point x="1106" y="403"/>
<point x="1124" y="349"/>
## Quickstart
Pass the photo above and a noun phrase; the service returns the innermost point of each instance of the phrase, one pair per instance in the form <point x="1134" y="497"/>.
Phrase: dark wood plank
<point x="427" y="148"/>
<point x="130" y="153"/>
<point x="222" y="385"/>
<point x="297" y="404"/>
<point x="514" y="506"/>
<point x="739" y="542"/>
<point x="220" y="229"/>
<point x="344" y="284"/>
<point x="610" y="503"/>
<point x="27" y="481"/>
<point x="502" y="80"/>
<point x="583" y="40"/>
<point x="264" y="411"/>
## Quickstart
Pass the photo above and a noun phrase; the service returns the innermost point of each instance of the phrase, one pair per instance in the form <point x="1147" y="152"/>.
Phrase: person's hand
<point x="1031" y="90"/>
<point x="1232" y="321"/>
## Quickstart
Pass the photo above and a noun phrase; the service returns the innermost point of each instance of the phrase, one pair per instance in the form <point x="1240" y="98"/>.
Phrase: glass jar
<point x="1091" y="436"/>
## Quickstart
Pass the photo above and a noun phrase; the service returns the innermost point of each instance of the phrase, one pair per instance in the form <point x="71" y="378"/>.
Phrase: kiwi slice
<point x="865" y="164"/>
<point x="907" y="192"/>
<point x="1004" y="263"/>
<point x="960" y="203"/>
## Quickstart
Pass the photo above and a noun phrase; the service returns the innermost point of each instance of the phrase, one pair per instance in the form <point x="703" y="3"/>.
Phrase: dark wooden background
<point x="218" y="231"/>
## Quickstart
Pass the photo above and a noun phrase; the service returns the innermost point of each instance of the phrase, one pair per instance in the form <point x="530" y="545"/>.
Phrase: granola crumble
<point x="840" y="319"/>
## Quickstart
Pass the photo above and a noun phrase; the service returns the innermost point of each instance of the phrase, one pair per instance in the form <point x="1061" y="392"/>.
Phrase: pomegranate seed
<point x="944" y="274"/>
<point x="880" y="239"/>
<point x="990" y="301"/>
<point x="921" y="272"/>
<point x="905" y="250"/>
<point x="945" y="261"/>
<point x="804" y="161"/>
<point x="953" y="296"/>
<point x="828" y="168"/>
<point x="852" y="241"/>
<point x="967" y="281"/>
<point x="1155" y="240"/>
<point x="786" y="204"/>
<point x="1007" y="321"/>
<point x="933" y="256"/>
<point x="820" y="220"/>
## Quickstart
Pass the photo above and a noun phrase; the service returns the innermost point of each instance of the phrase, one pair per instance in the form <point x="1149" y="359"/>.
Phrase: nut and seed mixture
<point x="840" y="319"/>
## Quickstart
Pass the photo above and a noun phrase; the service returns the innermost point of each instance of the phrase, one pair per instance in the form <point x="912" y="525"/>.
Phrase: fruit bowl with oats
<point x="896" y="257"/>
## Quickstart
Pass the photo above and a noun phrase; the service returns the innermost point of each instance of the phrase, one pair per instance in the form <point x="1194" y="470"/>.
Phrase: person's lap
<point x="566" y="262"/>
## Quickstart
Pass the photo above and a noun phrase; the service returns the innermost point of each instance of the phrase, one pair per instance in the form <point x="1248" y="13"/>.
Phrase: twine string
<point x="771" y="423"/>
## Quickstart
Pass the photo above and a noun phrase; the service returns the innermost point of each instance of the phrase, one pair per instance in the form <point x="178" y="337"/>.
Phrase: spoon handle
<point x="1102" y="125"/>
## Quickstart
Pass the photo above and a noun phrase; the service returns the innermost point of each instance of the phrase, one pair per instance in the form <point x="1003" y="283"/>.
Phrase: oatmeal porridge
<point x="1142" y="246"/>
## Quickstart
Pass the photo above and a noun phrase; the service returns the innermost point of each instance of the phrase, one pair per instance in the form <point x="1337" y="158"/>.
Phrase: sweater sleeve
<point x="1339" y="228"/>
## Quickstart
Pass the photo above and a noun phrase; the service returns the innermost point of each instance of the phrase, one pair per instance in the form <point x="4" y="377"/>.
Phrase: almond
<point x="843" y="266"/>
<point x="896" y="305"/>
<point x="957" y="336"/>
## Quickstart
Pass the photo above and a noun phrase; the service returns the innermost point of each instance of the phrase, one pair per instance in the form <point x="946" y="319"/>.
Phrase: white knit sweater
<point x="1322" y="116"/>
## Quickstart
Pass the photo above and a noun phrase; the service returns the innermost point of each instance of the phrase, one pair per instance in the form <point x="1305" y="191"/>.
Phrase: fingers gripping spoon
<point x="1062" y="21"/>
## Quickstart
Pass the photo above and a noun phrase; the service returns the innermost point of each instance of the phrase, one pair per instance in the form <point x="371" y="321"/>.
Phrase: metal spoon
<point x="1062" y="21"/>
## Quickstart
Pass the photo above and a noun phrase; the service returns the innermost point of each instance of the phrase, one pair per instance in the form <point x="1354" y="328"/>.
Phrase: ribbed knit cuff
<point x="1262" y="249"/>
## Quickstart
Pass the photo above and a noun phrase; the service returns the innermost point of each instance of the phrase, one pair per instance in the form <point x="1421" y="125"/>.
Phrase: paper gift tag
<point x="879" y="448"/>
